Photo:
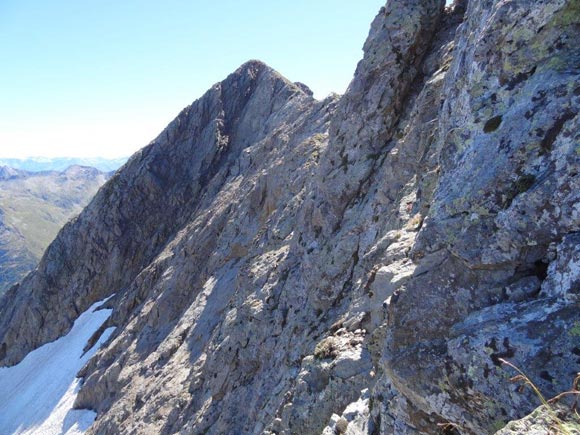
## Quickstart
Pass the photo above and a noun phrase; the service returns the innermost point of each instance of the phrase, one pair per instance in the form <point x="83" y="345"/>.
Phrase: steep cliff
<point x="354" y="265"/>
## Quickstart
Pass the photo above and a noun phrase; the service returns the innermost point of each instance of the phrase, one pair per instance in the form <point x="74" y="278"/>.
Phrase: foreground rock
<point x="545" y="421"/>
<point x="362" y="265"/>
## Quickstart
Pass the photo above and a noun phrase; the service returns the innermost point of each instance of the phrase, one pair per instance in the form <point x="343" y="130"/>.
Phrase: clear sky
<point x="103" y="77"/>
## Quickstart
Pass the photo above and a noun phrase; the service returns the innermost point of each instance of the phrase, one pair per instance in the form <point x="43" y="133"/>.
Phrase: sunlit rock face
<point x="355" y="265"/>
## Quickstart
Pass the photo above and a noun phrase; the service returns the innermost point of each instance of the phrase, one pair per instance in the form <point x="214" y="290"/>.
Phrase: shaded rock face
<point x="355" y="265"/>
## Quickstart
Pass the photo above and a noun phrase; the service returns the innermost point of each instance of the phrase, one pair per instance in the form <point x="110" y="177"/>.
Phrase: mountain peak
<point x="254" y="65"/>
<point x="255" y="69"/>
<point x="155" y="194"/>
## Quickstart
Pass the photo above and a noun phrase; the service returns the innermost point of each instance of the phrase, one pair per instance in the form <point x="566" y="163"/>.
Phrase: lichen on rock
<point x="355" y="265"/>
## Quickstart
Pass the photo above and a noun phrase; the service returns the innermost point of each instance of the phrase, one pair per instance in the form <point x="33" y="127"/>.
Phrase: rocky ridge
<point x="354" y="265"/>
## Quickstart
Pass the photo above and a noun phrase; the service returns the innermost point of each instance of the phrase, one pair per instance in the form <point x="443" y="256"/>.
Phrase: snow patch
<point x="37" y="395"/>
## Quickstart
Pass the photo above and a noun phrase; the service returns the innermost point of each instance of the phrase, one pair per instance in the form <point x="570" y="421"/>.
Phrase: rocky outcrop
<point x="501" y="223"/>
<point x="545" y="421"/>
<point x="354" y="265"/>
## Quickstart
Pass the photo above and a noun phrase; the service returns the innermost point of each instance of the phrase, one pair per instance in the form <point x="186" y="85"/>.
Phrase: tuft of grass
<point x="575" y="330"/>
<point x="561" y="426"/>
<point x="326" y="348"/>
<point x="449" y="428"/>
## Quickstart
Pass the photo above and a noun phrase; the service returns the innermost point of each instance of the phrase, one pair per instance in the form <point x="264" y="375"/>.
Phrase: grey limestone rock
<point x="545" y="421"/>
<point x="355" y="265"/>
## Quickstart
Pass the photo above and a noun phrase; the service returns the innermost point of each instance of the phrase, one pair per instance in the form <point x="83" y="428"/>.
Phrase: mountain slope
<point x="33" y="208"/>
<point x="359" y="265"/>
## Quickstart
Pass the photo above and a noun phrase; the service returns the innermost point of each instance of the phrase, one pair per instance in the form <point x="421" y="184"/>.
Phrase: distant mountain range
<point x="33" y="208"/>
<point x="37" y="164"/>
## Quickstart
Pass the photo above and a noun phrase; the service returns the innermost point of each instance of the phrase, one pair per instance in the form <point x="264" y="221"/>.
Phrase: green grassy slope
<point x="33" y="208"/>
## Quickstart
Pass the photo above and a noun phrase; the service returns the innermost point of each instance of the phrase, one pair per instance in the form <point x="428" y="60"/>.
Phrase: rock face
<point x="33" y="208"/>
<point x="545" y="421"/>
<point x="355" y="265"/>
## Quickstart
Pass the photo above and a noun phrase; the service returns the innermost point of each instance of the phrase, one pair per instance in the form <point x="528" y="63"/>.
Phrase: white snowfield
<point x="37" y="395"/>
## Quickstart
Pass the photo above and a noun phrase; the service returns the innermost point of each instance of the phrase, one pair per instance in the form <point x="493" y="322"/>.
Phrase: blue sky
<point x="104" y="77"/>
